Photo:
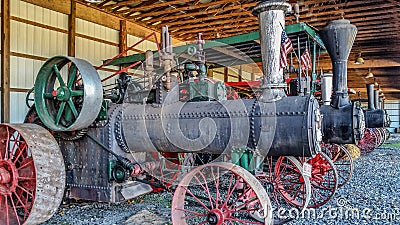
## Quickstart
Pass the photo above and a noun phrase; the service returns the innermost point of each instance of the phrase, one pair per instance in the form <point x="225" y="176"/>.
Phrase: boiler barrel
<point x="286" y="127"/>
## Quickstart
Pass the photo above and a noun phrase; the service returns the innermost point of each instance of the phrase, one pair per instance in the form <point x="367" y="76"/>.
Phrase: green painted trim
<point x="290" y="29"/>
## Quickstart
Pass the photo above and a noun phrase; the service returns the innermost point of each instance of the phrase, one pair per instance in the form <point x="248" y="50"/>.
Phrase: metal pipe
<point x="300" y="91"/>
<point x="163" y="44"/>
<point x="338" y="37"/>
<point x="271" y="16"/>
<point x="376" y="99"/>
<point x="326" y="88"/>
<point x="370" y="93"/>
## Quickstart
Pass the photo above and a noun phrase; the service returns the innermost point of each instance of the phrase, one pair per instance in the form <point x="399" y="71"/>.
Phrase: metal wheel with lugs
<point x="32" y="174"/>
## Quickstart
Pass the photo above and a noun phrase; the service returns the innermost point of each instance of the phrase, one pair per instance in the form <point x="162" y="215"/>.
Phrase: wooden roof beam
<point x="177" y="9"/>
<point x="372" y="63"/>
<point x="199" y="20"/>
<point x="154" y="6"/>
<point x="119" y="4"/>
<point x="188" y="14"/>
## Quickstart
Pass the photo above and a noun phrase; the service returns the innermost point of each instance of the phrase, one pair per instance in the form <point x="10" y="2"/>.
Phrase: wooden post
<point x="72" y="29"/>
<point x="5" y="61"/>
<point x="210" y="73"/>
<point x="253" y="76"/>
<point x="240" y="74"/>
<point x="225" y="74"/>
<point x="123" y="36"/>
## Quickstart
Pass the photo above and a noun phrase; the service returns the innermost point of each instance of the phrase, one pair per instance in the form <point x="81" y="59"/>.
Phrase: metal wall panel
<point x="93" y="51"/>
<point x="393" y="109"/>
<point x="18" y="107"/>
<point x="38" y="14"/>
<point x="145" y="45"/>
<point x="35" y="41"/>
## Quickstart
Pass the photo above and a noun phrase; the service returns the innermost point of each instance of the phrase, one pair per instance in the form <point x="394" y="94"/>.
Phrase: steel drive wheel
<point x="68" y="94"/>
<point x="342" y="160"/>
<point x="220" y="193"/>
<point x="324" y="179"/>
<point x="32" y="174"/>
<point x="286" y="185"/>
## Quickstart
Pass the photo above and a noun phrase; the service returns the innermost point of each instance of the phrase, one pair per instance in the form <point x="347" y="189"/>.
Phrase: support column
<point x="72" y="29"/>
<point x="5" y="61"/>
<point x="210" y="73"/>
<point x="225" y="74"/>
<point x="123" y="36"/>
<point x="240" y="73"/>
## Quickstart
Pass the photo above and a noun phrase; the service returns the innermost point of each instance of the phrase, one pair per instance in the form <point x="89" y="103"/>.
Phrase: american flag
<point x="286" y="47"/>
<point x="305" y="60"/>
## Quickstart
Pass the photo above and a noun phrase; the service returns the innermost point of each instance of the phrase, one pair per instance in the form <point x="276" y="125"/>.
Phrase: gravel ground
<point x="372" y="196"/>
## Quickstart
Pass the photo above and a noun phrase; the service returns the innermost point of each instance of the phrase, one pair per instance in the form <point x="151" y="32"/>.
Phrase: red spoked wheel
<point x="220" y="193"/>
<point x="342" y="160"/>
<point x="287" y="187"/>
<point x="381" y="136"/>
<point x="32" y="174"/>
<point x="369" y="141"/>
<point x="324" y="179"/>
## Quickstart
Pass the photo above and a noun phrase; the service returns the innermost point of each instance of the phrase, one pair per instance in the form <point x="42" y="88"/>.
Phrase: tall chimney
<point x="271" y="17"/>
<point x="338" y="37"/>
<point x="370" y="93"/>
<point x="376" y="99"/>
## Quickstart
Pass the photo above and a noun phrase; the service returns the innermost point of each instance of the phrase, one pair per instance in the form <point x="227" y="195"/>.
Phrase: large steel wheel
<point x="32" y="174"/>
<point x="68" y="94"/>
<point x="220" y="193"/>
<point x="324" y="179"/>
<point x="342" y="160"/>
<point x="286" y="185"/>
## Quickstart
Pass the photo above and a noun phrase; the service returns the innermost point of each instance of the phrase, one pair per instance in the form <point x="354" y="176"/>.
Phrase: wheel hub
<point x="63" y="94"/>
<point x="8" y="177"/>
<point x="215" y="217"/>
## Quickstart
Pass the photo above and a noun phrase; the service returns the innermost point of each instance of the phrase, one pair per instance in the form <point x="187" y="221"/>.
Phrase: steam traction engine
<point x="87" y="142"/>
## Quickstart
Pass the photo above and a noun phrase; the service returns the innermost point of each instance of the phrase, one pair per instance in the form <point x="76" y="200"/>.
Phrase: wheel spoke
<point x="197" y="199"/>
<point x="192" y="212"/>
<point x="72" y="107"/>
<point x="76" y="93"/>
<point x="72" y="76"/>
<point x="15" y="210"/>
<point x="205" y="188"/>
<point x="60" y="112"/>
<point x="21" y="151"/>
<point x="58" y="74"/>
<point x="48" y="95"/>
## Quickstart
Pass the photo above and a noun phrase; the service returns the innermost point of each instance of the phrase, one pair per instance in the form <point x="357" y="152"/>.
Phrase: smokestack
<point x="326" y="88"/>
<point x="338" y="37"/>
<point x="370" y="93"/>
<point x="271" y="17"/>
<point x="376" y="99"/>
